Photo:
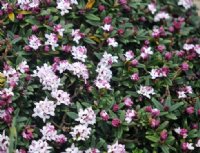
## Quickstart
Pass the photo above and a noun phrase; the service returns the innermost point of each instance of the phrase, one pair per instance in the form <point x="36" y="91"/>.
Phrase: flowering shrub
<point x="92" y="76"/>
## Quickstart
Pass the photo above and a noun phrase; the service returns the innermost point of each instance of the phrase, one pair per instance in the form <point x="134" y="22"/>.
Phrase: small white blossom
<point x="64" y="6"/>
<point x="48" y="132"/>
<point x="92" y="150"/>
<point x="61" y="96"/>
<point x="198" y="144"/>
<point x="77" y="35"/>
<point x="72" y="149"/>
<point x="146" y="91"/>
<point x="80" y="132"/>
<point x="34" y="42"/>
<point x="112" y="42"/>
<point x="152" y="8"/>
<point x="186" y="3"/>
<point x="79" y="53"/>
<point x="4" y="143"/>
<point x="188" y="47"/>
<point x="116" y="148"/>
<point x="130" y="114"/>
<point x="39" y="146"/>
<point x="106" y="27"/>
<point x="44" y="109"/>
<point x="23" y="67"/>
<point x="129" y="55"/>
<point x="161" y="15"/>
<point x="86" y="116"/>
<point x="52" y="40"/>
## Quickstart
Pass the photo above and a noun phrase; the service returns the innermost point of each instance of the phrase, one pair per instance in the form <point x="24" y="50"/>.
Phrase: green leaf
<point x="171" y="116"/>
<point x="92" y="17"/>
<point x="89" y="41"/>
<point x="152" y="138"/>
<point x="72" y="115"/>
<point x="165" y="149"/>
<point x="157" y="104"/>
<point x="176" y="106"/>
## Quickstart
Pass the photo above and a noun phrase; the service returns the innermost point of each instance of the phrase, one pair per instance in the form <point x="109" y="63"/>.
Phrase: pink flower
<point x="115" y="108"/>
<point x="154" y="123"/>
<point x="135" y="77"/>
<point x="184" y="66"/>
<point x="128" y="102"/>
<point x="104" y="115"/>
<point x="28" y="133"/>
<point x="190" y="110"/>
<point x="134" y="62"/>
<point x="163" y="135"/>
<point x="107" y="20"/>
<point x="116" y="122"/>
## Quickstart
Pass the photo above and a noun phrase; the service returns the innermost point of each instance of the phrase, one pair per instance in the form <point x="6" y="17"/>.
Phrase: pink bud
<point x="104" y="115"/>
<point x="184" y="66"/>
<point x="101" y="8"/>
<point x="116" y="122"/>
<point x="128" y="102"/>
<point x="163" y="135"/>
<point x="190" y="110"/>
<point x="134" y="62"/>
<point x="168" y="56"/>
<point x="115" y="107"/>
<point x="135" y="77"/>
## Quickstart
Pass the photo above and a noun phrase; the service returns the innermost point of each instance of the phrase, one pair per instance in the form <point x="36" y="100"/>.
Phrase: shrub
<point x="92" y="76"/>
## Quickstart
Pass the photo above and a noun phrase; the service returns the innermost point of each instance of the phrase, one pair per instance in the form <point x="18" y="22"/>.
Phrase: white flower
<point x="197" y="49"/>
<point x="161" y="15"/>
<point x="112" y="42"/>
<point x="130" y="114"/>
<point x="116" y="148"/>
<point x="27" y="4"/>
<point x="77" y="35"/>
<point x="182" y="94"/>
<point x="152" y="8"/>
<point x="4" y="6"/>
<point x="23" y="67"/>
<point x="92" y="150"/>
<point x="186" y="3"/>
<point x="61" y="96"/>
<point x="81" y="132"/>
<point x="190" y="146"/>
<point x="74" y="2"/>
<point x="52" y="40"/>
<point x="39" y="146"/>
<point x="34" y="42"/>
<point x="64" y="6"/>
<point x="4" y="143"/>
<point x="86" y="116"/>
<point x="72" y="149"/>
<point x="198" y="144"/>
<point x="47" y="77"/>
<point x="146" y="91"/>
<point x="104" y="72"/>
<point x="12" y="75"/>
<point x="129" y="55"/>
<point x="79" y="53"/>
<point x="106" y="27"/>
<point x="188" y="46"/>
<point x="48" y="132"/>
<point x="44" y="109"/>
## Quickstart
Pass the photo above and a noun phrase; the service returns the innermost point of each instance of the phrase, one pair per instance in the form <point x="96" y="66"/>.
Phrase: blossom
<point x="79" y="53"/>
<point x="145" y="52"/>
<point x="80" y="132"/>
<point x="72" y="149"/>
<point x="58" y="28"/>
<point x="146" y="91"/>
<point x="116" y="148"/>
<point x="129" y="55"/>
<point x="104" y="115"/>
<point x="47" y="77"/>
<point x="198" y="144"/>
<point x="186" y="3"/>
<point x="39" y="146"/>
<point x="92" y="150"/>
<point x="128" y="102"/>
<point x="197" y="49"/>
<point x="112" y="42"/>
<point x="4" y="143"/>
<point x="130" y="114"/>
<point x="107" y="27"/>
<point x="158" y="73"/>
<point x="77" y="35"/>
<point x="52" y="40"/>
<point x="28" y="4"/>
<point x="152" y="8"/>
<point x="104" y="72"/>
<point x="188" y="47"/>
<point x="23" y="67"/>
<point x="183" y="132"/>
<point x="44" y="109"/>
<point x="48" y="132"/>
<point x="161" y="15"/>
<point x="34" y="42"/>
<point x="187" y="146"/>
<point x="86" y="116"/>
<point x="61" y="96"/>
<point x="64" y="6"/>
